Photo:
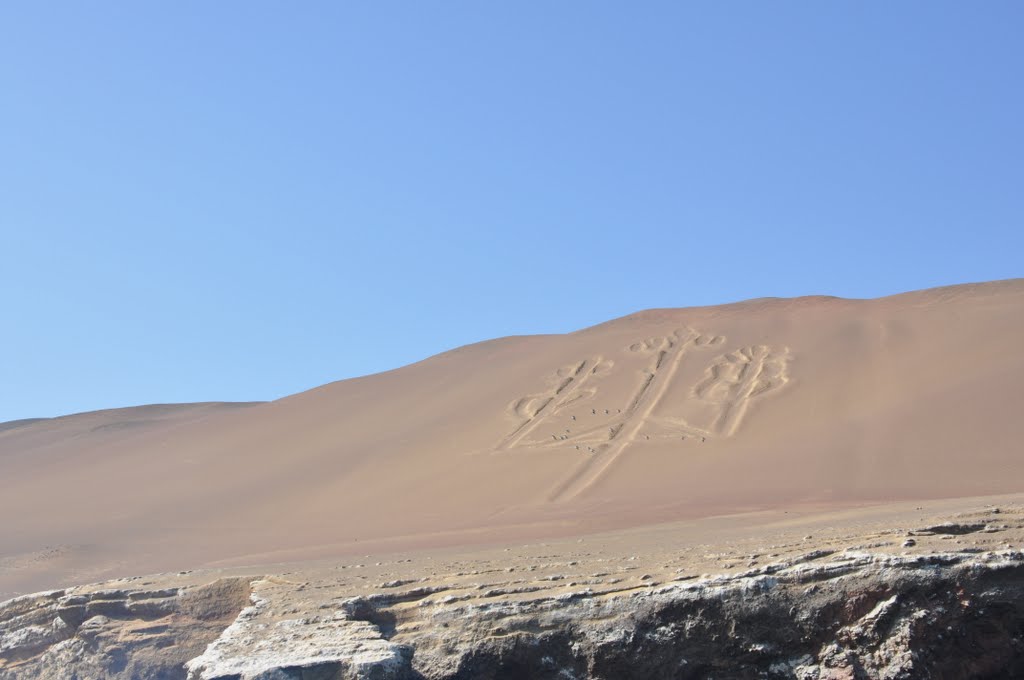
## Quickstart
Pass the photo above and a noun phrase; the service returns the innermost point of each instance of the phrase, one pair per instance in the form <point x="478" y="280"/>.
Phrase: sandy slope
<point x="662" y="415"/>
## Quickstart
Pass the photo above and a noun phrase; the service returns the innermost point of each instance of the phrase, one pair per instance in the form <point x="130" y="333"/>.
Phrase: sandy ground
<point x="762" y="409"/>
<point x="638" y="558"/>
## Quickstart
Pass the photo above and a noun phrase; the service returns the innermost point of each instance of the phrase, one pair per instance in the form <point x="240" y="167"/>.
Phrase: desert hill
<point x="661" y="415"/>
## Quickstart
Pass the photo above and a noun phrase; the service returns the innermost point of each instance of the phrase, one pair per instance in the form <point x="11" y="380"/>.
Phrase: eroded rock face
<point x="952" y="607"/>
<point x="98" y="633"/>
<point x="338" y="644"/>
<point x="852" y="617"/>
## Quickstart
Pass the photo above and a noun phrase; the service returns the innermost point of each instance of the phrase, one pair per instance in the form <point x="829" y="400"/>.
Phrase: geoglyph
<point x="669" y="398"/>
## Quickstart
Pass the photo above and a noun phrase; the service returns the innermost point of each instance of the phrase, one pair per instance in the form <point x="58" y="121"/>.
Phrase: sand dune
<point x="661" y="415"/>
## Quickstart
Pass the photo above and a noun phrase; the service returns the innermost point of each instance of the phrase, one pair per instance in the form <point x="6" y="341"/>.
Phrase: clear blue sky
<point x="241" y="200"/>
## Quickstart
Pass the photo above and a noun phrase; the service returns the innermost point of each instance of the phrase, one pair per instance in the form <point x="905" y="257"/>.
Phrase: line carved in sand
<point x="569" y="387"/>
<point x="713" y="407"/>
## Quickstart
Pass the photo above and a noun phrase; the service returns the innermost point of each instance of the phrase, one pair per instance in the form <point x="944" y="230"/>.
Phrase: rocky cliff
<point x="940" y="601"/>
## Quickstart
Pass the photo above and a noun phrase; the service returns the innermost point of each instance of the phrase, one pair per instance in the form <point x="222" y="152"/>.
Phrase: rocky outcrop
<point x="850" y="616"/>
<point x="342" y="643"/>
<point x="116" y="633"/>
<point x="819" y="616"/>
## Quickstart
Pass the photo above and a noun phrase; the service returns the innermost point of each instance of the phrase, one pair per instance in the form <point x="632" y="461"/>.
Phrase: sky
<point x="242" y="200"/>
